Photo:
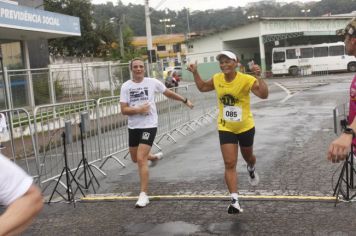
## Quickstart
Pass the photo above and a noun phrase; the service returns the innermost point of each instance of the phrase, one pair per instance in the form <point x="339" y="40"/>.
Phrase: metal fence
<point x="17" y="140"/>
<point x="37" y="142"/>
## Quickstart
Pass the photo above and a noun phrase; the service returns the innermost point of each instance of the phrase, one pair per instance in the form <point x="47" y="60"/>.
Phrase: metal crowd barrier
<point x="17" y="141"/>
<point x="37" y="143"/>
<point x="49" y="123"/>
<point x="113" y="130"/>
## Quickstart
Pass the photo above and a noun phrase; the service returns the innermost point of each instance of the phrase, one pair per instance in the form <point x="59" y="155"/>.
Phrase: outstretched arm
<point x="259" y="88"/>
<point x="203" y="86"/>
<point x="340" y="147"/>
<point x="21" y="212"/>
<point x="170" y="94"/>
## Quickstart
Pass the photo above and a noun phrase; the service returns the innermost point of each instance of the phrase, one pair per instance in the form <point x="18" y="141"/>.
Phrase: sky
<point x="193" y="5"/>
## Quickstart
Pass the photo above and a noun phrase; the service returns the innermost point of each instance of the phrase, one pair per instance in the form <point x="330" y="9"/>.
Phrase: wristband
<point x="349" y="131"/>
<point x="185" y="100"/>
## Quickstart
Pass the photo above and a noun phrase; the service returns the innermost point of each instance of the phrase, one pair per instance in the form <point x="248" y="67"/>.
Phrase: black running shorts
<point x="244" y="139"/>
<point x="145" y="136"/>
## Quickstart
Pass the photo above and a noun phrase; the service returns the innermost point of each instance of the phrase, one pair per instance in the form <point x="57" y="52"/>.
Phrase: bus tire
<point x="293" y="71"/>
<point x="351" y="67"/>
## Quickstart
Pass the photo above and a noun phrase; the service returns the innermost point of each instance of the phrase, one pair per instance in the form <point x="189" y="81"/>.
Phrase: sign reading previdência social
<point x="26" y="18"/>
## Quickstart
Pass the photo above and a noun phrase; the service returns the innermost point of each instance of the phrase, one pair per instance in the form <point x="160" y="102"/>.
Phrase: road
<point x="188" y="194"/>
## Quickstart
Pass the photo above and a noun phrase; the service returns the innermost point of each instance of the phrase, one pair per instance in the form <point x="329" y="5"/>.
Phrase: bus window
<point x="336" y="50"/>
<point x="291" y="54"/>
<point x="278" y="57"/>
<point x="320" y="51"/>
<point x="306" y="52"/>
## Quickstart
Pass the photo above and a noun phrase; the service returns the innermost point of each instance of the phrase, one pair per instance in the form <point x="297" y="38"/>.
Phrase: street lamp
<point x="171" y="26"/>
<point x="165" y="23"/>
<point x="305" y="11"/>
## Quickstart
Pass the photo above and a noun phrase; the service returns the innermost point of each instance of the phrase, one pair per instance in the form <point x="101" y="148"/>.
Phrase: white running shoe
<point x="253" y="177"/>
<point x="158" y="156"/>
<point x="234" y="207"/>
<point x="142" y="200"/>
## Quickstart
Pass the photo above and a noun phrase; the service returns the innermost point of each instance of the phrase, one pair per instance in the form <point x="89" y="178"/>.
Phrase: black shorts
<point x="145" y="136"/>
<point x="245" y="139"/>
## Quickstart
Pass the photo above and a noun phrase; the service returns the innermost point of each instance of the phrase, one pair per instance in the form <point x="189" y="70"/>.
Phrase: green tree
<point x="87" y="44"/>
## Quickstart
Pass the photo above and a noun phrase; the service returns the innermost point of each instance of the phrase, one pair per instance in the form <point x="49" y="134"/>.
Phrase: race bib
<point x="232" y="113"/>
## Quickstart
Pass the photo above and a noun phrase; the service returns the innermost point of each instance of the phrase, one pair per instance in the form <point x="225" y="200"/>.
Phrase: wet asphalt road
<point x="294" y="128"/>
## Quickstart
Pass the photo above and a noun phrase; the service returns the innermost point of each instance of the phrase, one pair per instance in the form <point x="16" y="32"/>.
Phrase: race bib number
<point x="232" y="113"/>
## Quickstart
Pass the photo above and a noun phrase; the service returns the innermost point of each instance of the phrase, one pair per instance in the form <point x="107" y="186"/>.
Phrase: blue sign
<point x="26" y="18"/>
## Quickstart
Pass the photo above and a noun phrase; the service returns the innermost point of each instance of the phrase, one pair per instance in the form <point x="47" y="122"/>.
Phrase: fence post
<point x="7" y="89"/>
<point x="110" y="79"/>
<point x="84" y="81"/>
<point x="52" y="93"/>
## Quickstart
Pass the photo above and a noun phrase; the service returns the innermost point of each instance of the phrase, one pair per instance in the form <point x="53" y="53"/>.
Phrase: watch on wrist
<point x="349" y="131"/>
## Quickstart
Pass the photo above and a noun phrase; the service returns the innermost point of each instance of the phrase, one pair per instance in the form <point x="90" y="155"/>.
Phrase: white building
<point x="256" y="39"/>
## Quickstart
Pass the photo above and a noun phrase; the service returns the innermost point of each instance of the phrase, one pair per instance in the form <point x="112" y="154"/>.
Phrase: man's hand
<point x="189" y="104"/>
<point x="144" y="108"/>
<point x="340" y="148"/>
<point x="256" y="70"/>
<point x="193" y="67"/>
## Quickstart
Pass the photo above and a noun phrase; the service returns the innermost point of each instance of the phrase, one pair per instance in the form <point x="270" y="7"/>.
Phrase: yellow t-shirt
<point x="234" y="102"/>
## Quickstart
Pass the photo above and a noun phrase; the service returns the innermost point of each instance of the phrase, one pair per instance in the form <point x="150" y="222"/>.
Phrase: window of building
<point x="336" y="50"/>
<point x="306" y="52"/>
<point x="12" y="56"/>
<point x="321" y="52"/>
<point x="211" y="58"/>
<point x="205" y="59"/>
<point x="177" y="47"/>
<point x="291" y="54"/>
<point x="161" y="47"/>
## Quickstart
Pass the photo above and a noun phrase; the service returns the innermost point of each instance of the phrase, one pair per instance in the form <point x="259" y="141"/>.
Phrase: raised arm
<point x="203" y="86"/>
<point x="259" y="88"/>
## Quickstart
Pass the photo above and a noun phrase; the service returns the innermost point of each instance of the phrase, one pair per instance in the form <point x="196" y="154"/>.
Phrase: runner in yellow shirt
<point x="235" y="121"/>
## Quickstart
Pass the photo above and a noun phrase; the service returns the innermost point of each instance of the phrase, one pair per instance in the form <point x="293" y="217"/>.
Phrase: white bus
<point x="312" y="58"/>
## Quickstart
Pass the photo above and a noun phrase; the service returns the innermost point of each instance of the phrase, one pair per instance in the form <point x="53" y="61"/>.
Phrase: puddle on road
<point x="170" y="228"/>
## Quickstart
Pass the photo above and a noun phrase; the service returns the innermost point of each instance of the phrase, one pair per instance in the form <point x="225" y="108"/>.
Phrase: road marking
<point x="100" y="197"/>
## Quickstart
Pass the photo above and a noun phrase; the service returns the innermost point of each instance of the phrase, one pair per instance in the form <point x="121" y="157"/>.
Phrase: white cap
<point x="228" y="54"/>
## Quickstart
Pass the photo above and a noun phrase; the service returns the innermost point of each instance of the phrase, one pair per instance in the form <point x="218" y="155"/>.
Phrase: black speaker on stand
<point x="67" y="139"/>
<point x="87" y="170"/>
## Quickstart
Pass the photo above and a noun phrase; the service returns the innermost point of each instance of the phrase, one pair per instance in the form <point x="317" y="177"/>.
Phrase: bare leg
<point x="247" y="154"/>
<point x="229" y="152"/>
<point x="143" y="151"/>
<point x="133" y="153"/>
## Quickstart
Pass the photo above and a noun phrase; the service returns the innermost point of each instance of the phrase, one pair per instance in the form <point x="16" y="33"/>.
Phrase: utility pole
<point x="121" y="23"/>
<point x="148" y="26"/>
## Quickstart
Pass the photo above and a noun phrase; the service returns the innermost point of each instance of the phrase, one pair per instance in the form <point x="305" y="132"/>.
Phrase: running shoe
<point x="158" y="156"/>
<point x="142" y="200"/>
<point x="253" y="177"/>
<point x="234" y="207"/>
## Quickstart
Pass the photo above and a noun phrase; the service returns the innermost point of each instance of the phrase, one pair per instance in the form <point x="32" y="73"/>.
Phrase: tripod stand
<point x="68" y="173"/>
<point x="87" y="170"/>
<point x="346" y="177"/>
